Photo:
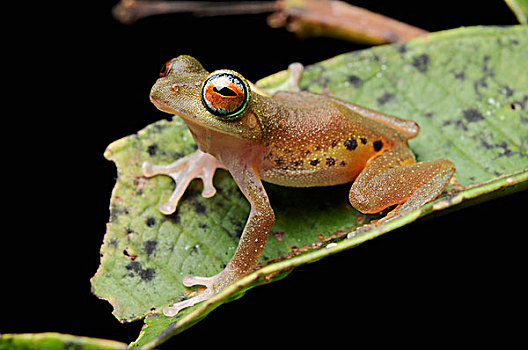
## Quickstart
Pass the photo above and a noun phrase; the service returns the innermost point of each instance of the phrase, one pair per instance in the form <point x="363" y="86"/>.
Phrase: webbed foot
<point x="213" y="285"/>
<point x="196" y="165"/>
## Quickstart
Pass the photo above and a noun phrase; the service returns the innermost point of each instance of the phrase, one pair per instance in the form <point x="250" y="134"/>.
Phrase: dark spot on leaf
<point x="150" y="247"/>
<point x="429" y="114"/>
<point x="377" y="145"/>
<point x="385" y="98"/>
<point x="150" y="221"/>
<point x="481" y="83"/>
<point x="355" y="81"/>
<point x="234" y="235"/>
<point x="460" y="76"/>
<point x="421" y="63"/>
<point x="239" y="230"/>
<point x="199" y="207"/>
<point x="330" y="161"/>
<point x="315" y="161"/>
<point x="402" y="48"/>
<point x="145" y="274"/>
<point x="152" y="149"/>
<point x="522" y="103"/>
<point x="174" y="217"/>
<point x="501" y="145"/>
<point x="202" y="225"/>
<point x="116" y="211"/>
<point x="485" y="67"/>
<point x="472" y="115"/>
<point x="351" y="144"/>
<point x="507" y="91"/>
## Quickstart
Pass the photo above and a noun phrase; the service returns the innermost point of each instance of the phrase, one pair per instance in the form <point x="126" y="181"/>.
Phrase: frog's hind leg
<point x="393" y="177"/>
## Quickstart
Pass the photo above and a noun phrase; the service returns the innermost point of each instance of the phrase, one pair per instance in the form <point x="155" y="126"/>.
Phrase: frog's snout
<point x="160" y="105"/>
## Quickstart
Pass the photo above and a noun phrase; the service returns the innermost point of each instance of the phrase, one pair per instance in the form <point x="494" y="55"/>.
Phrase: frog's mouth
<point x="162" y="106"/>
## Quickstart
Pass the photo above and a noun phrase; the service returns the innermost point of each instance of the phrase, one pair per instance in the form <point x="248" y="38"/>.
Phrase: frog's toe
<point x="147" y="170"/>
<point x="173" y="310"/>
<point x="211" y="288"/>
<point x="190" y="280"/>
<point x="196" y="165"/>
<point x="170" y="205"/>
<point x="208" y="188"/>
<point x="213" y="285"/>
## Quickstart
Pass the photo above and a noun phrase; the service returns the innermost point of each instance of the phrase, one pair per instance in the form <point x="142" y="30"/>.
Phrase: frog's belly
<point x="336" y="175"/>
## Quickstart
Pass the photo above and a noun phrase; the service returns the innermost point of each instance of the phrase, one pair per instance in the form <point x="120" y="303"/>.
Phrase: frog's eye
<point x="225" y="94"/>
<point x="165" y="70"/>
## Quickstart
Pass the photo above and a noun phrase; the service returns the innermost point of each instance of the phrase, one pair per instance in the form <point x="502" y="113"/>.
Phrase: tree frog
<point x="291" y="138"/>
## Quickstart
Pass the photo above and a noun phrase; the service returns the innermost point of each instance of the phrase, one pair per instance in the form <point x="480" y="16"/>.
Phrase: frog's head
<point x="220" y="100"/>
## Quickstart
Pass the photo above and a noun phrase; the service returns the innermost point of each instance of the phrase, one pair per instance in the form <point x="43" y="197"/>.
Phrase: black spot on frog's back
<point x="377" y="145"/>
<point x="330" y="161"/>
<point x="351" y="144"/>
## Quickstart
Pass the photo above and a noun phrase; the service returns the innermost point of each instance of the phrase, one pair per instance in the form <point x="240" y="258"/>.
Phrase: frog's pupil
<point x="224" y="91"/>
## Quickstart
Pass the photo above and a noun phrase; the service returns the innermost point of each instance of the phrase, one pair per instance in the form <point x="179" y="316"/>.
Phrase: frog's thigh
<point x="393" y="178"/>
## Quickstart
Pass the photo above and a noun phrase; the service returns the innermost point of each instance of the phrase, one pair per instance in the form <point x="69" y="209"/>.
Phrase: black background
<point x="85" y="82"/>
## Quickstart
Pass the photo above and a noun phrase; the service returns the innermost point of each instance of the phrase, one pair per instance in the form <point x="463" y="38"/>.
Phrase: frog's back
<point x="318" y="142"/>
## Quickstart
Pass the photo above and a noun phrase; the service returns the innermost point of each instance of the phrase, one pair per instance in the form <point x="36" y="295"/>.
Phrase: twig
<point x="340" y="20"/>
<point x="129" y="11"/>
<point x="304" y="17"/>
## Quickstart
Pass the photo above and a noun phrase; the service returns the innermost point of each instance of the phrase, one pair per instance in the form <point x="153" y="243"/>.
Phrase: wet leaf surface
<point x="467" y="88"/>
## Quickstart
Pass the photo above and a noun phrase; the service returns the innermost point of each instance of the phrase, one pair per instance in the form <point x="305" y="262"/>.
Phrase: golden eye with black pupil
<point x="165" y="70"/>
<point x="225" y="95"/>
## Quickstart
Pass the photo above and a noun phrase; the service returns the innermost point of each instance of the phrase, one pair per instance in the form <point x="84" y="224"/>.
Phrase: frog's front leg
<point x="393" y="177"/>
<point x="251" y="243"/>
<point x="183" y="171"/>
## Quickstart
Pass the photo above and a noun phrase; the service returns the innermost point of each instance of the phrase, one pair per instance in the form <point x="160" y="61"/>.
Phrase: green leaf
<point x="520" y="9"/>
<point x="55" y="341"/>
<point x="467" y="88"/>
